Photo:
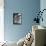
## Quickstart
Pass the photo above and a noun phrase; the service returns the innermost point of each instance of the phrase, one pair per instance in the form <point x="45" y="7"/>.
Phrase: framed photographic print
<point x="17" y="18"/>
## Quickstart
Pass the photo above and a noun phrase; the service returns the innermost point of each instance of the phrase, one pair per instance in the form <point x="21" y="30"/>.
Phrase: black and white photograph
<point x="17" y="18"/>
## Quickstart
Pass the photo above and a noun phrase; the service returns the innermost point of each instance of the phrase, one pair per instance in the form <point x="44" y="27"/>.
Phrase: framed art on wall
<point x="17" y="18"/>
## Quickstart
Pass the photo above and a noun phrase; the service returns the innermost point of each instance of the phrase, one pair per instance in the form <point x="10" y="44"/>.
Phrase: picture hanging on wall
<point x="17" y="18"/>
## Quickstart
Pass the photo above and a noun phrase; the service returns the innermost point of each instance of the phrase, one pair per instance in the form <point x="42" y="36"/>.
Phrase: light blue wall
<point x="28" y="7"/>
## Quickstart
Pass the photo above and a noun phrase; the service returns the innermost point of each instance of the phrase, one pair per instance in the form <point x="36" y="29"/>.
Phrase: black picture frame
<point x="17" y="18"/>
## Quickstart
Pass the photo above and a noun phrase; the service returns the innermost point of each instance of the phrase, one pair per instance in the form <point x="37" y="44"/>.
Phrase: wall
<point x="28" y="8"/>
<point x="43" y="6"/>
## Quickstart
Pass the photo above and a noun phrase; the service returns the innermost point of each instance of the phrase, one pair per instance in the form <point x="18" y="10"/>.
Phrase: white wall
<point x="43" y="6"/>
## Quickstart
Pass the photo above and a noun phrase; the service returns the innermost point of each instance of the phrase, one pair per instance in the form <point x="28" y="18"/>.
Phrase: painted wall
<point x="43" y="6"/>
<point x="28" y="8"/>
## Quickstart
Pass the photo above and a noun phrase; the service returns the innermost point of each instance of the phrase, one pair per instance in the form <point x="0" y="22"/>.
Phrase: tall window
<point x="1" y="20"/>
